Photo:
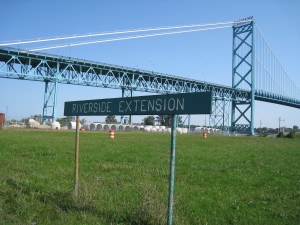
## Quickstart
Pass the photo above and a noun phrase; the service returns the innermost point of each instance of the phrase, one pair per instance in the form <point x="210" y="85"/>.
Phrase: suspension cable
<point x="115" y="32"/>
<point x="124" y="38"/>
<point x="273" y="54"/>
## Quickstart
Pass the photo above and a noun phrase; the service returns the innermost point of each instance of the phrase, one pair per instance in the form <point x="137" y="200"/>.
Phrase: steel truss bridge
<point x="233" y="107"/>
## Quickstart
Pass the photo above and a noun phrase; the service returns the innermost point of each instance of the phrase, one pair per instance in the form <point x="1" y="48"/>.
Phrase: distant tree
<point x="272" y="131"/>
<point x="166" y="120"/>
<point x="12" y="121"/>
<point x="149" y="120"/>
<point x="179" y="121"/>
<point x="83" y="121"/>
<point x="110" y="119"/>
<point x="193" y="127"/>
<point x="295" y="127"/>
<point x="280" y="135"/>
<point x="291" y="134"/>
<point x="37" y="117"/>
<point x="64" y="121"/>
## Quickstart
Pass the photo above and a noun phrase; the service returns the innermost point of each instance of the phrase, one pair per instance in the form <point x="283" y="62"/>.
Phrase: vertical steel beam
<point x="130" y="116"/>
<point x="189" y="122"/>
<point x="253" y="86"/>
<point x="122" y="116"/>
<point x="126" y="92"/>
<point x="50" y="101"/>
<point x="219" y="119"/>
<point x="54" y="102"/>
<point x="45" y="107"/>
<point x="243" y="58"/>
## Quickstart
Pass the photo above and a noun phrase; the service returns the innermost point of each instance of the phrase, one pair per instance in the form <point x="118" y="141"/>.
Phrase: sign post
<point x="76" y="157"/>
<point x="172" y="169"/>
<point x="170" y="104"/>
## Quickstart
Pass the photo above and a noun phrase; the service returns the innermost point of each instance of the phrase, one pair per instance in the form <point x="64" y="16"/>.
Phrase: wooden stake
<point x="76" y="157"/>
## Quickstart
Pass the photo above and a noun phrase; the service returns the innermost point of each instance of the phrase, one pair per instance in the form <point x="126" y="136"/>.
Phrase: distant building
<point x="2" y="120"/>
<point x="33" y="123"/>
<point x="282" y="129"/>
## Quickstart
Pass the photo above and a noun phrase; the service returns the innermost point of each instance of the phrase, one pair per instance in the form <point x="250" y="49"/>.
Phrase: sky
<point x="204" y="55"/>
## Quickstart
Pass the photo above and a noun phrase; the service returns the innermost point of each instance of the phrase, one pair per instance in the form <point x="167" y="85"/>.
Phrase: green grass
<point x="218" y="180"/>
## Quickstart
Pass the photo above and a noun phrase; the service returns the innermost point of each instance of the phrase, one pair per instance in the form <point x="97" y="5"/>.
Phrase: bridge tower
<point x="243" y="58"/>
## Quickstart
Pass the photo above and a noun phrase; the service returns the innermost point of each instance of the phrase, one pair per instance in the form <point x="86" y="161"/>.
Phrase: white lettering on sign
<point x="95" y="107"/>
<point x="171" y="104"/>
<point x="128" y="106"/>
<point x="158" y="105"/>
<point x="103" y="107"/>
<point x="120" y="106"/>
<point x="142" y="106"/>
<point x="91" y="107"/>
<point x="74" y="108"/>
<point x="85" y="107"/>
<point x="180" y="103"/>
<point x="108" y="106"/>
<point x="136" y="104"/>
<point x="151" y="105"/>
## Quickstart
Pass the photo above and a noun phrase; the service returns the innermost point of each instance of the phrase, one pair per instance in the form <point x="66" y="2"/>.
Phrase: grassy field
<point x="218" y="180"/>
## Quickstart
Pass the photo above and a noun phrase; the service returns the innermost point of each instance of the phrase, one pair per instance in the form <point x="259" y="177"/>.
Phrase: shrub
<point x="291" y="134"/>
<point x="280" y="135"/>
<point x="263" y="135"/>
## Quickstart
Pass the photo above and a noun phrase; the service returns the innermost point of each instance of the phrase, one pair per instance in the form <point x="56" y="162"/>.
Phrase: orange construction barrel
<point x="112" y="134"/>
<point x="204" y="135"/>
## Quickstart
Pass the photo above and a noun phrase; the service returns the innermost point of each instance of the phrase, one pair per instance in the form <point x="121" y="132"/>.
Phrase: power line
<point x="124" y="38"/>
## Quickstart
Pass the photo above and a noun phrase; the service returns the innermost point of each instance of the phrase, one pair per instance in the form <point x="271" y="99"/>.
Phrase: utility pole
<point x="260" y="126"/>
<point x="6" y="117"/>
<point x="279" y="119"/>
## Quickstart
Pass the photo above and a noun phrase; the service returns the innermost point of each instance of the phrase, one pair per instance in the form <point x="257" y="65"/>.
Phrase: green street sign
<point x="186" y="103"/>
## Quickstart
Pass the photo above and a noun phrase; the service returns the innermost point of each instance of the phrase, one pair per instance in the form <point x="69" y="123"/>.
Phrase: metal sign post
<point x="170" y="104"/>
<point x="172" y="169"/>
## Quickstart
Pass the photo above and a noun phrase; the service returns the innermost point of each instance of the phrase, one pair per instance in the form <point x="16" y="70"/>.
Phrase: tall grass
<point x="218" y="180"/>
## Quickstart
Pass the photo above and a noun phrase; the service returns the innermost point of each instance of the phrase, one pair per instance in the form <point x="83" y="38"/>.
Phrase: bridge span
<point x="53" y="69"/>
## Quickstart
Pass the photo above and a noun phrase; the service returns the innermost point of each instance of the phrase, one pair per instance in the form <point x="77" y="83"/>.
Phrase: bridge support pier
<point x="126" y="92"/>
<point x="219" y="119"/>
<point x="50" y="101"/>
